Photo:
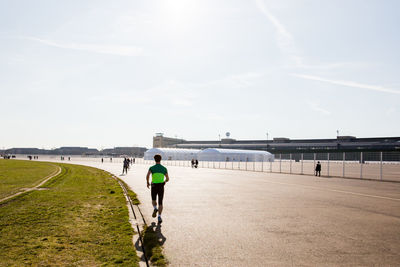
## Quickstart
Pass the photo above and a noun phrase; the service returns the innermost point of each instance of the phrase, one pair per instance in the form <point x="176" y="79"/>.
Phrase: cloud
<point x="287" y="44"/>
<point x="391" y="111"/>
<point x="170" y="93"/>
<point x="120" y="50"/>
<point x="235" y="81"/>
<point x="377" y="88"/>
<point x="316" y="107"/>
<point x="285" y="38"/>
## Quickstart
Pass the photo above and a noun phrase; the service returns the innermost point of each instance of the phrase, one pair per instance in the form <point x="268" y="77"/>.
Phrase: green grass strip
<point x="81" y="220"/>
<point x="17" y="174"/>
<point x="131" y="194"/>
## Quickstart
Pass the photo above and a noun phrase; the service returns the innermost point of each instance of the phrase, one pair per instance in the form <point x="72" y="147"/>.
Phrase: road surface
<point x="238" y="218"/>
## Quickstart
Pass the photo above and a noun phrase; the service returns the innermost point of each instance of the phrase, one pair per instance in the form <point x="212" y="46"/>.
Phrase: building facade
<point x="295" y="146"/>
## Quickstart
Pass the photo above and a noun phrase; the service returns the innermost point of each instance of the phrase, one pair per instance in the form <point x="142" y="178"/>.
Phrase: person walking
<point x="318" y="169"/>
<point x="159" y="176"/>
<point x="125" y="166"/>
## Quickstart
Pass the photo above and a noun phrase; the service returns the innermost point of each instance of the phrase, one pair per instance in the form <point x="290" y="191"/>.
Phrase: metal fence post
<point x="361" y="165"/>
<point x="290" y="159"/>
<point x="262" y="165"/>
<point x="328" y="164"/>
<point x="344" y="159"/>
<point x="280" y="163"/>
<point x="246" y="164"/>
<point x="270" y="165"/>
<point x="302" y="159"/>
<point x="381" y="166"/>
<point x="254" y="166"/>
<point x="315" y="155"/>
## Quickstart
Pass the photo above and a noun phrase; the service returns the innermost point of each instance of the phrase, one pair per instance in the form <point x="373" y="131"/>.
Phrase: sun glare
<point x="181" y="13"/>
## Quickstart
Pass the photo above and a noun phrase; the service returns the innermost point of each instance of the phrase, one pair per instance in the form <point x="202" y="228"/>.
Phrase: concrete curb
<point x="138" y="222"/>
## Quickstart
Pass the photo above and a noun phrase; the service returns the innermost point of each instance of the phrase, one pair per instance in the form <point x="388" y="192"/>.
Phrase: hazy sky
<point x="113" y="73"/>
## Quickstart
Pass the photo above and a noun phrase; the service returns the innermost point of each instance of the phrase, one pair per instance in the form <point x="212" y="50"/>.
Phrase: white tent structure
<point x="171" y="153"/>
<point x="220" y="154"/>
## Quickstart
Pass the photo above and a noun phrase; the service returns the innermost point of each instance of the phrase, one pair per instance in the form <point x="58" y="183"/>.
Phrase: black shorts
<point x="157" y="189"/>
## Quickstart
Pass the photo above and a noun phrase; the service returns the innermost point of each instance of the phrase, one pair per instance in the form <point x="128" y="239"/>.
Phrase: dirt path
<point x="24" y="190"/>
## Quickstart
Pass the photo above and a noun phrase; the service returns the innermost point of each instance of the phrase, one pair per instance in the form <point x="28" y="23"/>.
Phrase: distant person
<point x="158" y="173"/>
<point x="125" y="166"/>
<point x="318" y="169"/>
<point x="110" y="159"/>
<point x="193" y="162"/>
<point x="102" y="160"/>
<point x="196" y="163"/>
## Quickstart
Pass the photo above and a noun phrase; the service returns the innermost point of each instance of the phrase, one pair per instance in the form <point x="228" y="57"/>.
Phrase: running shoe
<point x="154" y="213"/>
<point x="159" y="219"/>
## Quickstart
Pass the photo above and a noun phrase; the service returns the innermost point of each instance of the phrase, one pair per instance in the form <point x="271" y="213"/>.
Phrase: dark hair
<point x="157" y="158"/>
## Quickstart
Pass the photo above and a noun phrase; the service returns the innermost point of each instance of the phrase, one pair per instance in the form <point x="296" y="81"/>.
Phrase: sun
<point x="179" y="13"/>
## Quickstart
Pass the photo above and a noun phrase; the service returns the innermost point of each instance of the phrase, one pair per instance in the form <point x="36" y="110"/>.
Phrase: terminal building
<point x="286" y="146"/>
<point x="82" y="151"/>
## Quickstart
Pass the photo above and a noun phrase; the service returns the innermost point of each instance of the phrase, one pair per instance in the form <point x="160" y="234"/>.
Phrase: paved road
<point x="237" y="218"/>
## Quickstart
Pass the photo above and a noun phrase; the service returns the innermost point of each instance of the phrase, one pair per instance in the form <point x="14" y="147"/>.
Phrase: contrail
<point x="285" y="38"/>
<point x="377" y="88"/>
<point x="120" y="50"/>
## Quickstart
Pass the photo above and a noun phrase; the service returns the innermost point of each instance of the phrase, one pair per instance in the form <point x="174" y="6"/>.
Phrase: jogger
<point x="159" y="176"/>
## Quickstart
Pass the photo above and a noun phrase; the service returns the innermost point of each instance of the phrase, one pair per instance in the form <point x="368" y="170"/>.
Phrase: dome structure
<point x="171" y="153"/>
<point x="220" y="154"/>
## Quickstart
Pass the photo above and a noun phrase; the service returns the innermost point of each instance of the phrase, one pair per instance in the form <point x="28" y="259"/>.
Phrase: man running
<point x="158" y="172"/>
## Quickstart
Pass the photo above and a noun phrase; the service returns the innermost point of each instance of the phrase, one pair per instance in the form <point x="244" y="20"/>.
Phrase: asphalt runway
<point x="236" y="218"/>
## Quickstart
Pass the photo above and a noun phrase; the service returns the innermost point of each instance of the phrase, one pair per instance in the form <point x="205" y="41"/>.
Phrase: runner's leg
<point x="160" y="199"/>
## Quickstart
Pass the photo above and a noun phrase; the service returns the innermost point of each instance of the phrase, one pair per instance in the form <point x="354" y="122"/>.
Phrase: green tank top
<point x="158" y="172"/>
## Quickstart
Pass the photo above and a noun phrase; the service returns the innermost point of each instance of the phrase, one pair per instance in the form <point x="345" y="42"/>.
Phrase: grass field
<point x="17" y="174"/>
<point x="82" y="219"/>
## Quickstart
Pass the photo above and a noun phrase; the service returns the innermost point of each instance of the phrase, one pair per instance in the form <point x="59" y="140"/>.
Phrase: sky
<point x="102" y="74"/>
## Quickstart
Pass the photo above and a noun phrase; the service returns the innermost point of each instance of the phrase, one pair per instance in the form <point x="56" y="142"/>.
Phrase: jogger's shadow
<point x="157" y="229"/>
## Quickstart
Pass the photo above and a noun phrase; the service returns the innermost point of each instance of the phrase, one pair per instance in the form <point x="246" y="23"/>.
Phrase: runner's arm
<point x="166" y="176"/>
<point x="147" y="178"/>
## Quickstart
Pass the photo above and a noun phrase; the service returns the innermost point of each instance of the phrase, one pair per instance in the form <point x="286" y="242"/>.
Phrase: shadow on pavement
<point x="157" y="229"/>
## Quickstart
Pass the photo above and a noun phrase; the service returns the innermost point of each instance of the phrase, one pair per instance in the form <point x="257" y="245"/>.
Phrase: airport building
<point x="285" y="146"/>
<point x="82" y="151"/>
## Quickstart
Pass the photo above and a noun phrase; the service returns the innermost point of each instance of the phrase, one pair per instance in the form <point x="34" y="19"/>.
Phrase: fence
<point x="383" y="166"/>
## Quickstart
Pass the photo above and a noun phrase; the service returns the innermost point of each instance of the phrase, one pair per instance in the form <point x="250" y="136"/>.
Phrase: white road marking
<point x="335" y="190"/>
